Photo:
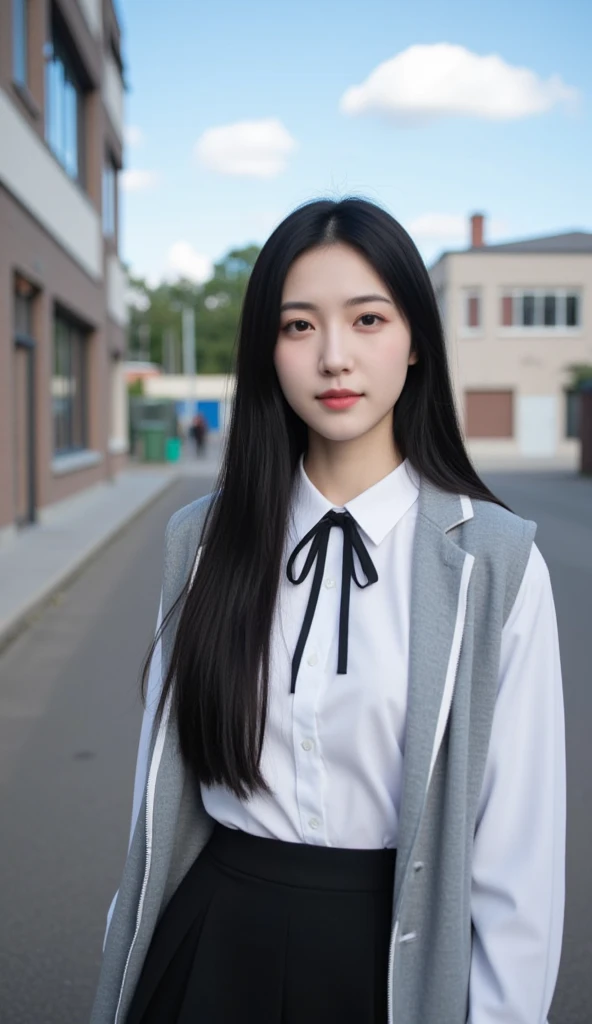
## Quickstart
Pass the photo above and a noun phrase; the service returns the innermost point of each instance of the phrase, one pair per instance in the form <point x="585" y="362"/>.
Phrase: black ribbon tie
<point x="352" y="541"/>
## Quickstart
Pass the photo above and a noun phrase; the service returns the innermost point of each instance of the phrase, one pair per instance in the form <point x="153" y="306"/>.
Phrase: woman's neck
<point x="341" y="470"/>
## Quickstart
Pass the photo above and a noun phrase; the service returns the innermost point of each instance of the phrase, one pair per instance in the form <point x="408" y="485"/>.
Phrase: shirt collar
<point x="376" y="510"/>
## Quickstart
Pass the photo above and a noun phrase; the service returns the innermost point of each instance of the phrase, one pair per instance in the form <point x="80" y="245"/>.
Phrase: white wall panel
<point x="119" y="433"/>
<point x="34" y="177"/>
<point x="537" y="425"/>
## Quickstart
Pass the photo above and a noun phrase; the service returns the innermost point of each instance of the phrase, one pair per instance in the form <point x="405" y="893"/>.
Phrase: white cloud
<point x="185" y="261"/>
<point x="133" y="135"/>
<point x="432" y="81"/>
<point x="139" y="181"/>
<point x="249" y="149"/>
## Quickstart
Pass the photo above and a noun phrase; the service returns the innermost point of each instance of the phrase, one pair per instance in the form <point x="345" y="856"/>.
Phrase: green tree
<point x="580" y="374"/>
<point x="156" y="315"/>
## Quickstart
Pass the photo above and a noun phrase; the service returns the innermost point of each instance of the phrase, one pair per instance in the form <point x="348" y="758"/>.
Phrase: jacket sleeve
<point x="518" y="876"/>
<point x="153" y="689"/>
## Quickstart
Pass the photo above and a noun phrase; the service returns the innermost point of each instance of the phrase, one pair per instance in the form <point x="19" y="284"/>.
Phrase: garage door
<point x="489" y="413"/>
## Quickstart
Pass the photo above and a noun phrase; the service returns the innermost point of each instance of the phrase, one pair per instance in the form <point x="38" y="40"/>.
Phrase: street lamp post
<point x="189" y="359"/>
<point x="188" y="353"/>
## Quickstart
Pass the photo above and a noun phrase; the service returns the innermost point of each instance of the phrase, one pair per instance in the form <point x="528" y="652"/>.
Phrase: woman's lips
<point x="341" y="402"/>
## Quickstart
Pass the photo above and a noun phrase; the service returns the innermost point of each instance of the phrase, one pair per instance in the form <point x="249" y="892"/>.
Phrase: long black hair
<point x="218" y="677"/>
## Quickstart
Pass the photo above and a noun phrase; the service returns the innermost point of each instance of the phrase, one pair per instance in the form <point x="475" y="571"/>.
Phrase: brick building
<point x="516" y="317"/>
<point x="63" y="419"/>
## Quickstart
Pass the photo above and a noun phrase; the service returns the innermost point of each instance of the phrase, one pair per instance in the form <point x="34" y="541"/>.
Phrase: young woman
<point x="350" y="794"/>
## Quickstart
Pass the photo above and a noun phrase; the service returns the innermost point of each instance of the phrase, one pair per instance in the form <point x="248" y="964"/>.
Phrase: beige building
<point x="63" y="418"/>
<point x="516" y="317"/>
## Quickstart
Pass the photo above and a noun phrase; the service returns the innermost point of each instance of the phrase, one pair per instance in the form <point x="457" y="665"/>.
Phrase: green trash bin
<point x="153" y="436"/>
<point x="173" y="449"/>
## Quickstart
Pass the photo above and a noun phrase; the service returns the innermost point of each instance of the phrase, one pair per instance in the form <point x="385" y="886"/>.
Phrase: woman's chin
<point x="340" y="432"/>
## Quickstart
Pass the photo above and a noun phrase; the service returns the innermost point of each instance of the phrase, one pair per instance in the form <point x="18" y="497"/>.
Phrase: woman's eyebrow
<point x="357" y="301"/>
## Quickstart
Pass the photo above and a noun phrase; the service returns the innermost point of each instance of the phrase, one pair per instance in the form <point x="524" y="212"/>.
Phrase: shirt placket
<point x="315" y="673"/>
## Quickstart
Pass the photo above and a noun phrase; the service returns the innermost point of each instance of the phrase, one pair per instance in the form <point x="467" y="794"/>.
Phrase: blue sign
<point x="209" y="409"/>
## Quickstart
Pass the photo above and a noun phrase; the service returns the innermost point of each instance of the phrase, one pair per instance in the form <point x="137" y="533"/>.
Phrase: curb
<point x="26" y="615"/>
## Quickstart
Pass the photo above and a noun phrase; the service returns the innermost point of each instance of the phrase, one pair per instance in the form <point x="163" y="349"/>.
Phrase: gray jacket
<point x="468" y="563"/>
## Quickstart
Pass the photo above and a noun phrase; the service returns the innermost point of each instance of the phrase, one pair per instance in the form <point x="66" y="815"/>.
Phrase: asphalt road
<point x="69" y="725"/>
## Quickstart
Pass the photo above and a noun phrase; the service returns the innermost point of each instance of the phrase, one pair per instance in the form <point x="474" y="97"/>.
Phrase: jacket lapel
<point x="440" y="576"/>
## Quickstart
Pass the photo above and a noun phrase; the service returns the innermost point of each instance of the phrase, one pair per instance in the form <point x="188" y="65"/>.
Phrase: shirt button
<point x="307" y="744"/>
<point x="312" y="658"/>
<point x="314" y="822"/>
<point x="329" y="583"/>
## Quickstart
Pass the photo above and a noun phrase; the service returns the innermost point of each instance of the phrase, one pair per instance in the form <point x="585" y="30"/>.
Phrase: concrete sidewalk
<point x="40" y="559"/>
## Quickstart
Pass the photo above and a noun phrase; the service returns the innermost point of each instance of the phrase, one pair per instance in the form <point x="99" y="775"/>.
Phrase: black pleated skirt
<point x="269" y="932"/>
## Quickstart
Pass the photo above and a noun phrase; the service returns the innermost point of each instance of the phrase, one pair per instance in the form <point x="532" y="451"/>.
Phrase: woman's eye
<point x="300" y="324"/>
<point x="371" y="316"/>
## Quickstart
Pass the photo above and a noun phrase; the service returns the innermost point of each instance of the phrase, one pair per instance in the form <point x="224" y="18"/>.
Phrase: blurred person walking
<point x="349" y="802"/>
<point x="198" y="431"/>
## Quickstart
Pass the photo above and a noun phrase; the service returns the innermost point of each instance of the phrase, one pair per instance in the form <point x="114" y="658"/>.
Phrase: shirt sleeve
<point x="153" y="691"/>
<point x="518" y="875"/>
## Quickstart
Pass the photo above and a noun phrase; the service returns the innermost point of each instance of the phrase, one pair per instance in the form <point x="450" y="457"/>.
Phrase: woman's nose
<point x="335" y="356"/>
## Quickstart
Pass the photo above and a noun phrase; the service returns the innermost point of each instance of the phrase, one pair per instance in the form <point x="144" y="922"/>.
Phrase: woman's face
<point x="340" y="330"/>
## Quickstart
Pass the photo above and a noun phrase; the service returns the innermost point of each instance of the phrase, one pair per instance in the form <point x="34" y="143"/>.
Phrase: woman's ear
<point x="413" y="358"/>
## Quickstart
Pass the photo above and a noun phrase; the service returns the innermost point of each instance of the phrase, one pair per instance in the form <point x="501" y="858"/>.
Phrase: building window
<point x="507" y="311"/>
<point x="541" y="309"/>
<point x="20" y="38"/>
<point x="527" y="318"/>
<point x="572" y="312"/>
<point x="550" y="310"/>
<point x="64" y="125"/>
<point x="109" y="197"/>
<point x="471" y="311"/>
<point x="69" y="387"/>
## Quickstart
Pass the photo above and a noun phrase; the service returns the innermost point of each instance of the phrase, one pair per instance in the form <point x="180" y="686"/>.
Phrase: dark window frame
<point x="62" y="52"/>
<point x="550" y="304"/>
<point x="20" y="42"/>
<point x="573" y="314"/>
<point x="71" y="423"/>
<point x="528" y="310"/>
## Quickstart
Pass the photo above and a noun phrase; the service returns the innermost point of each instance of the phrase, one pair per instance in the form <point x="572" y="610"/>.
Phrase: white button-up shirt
<point x="333" y="749"/>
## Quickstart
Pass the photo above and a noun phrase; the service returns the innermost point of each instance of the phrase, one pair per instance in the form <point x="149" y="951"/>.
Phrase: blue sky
<point x="235" y="115"/>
